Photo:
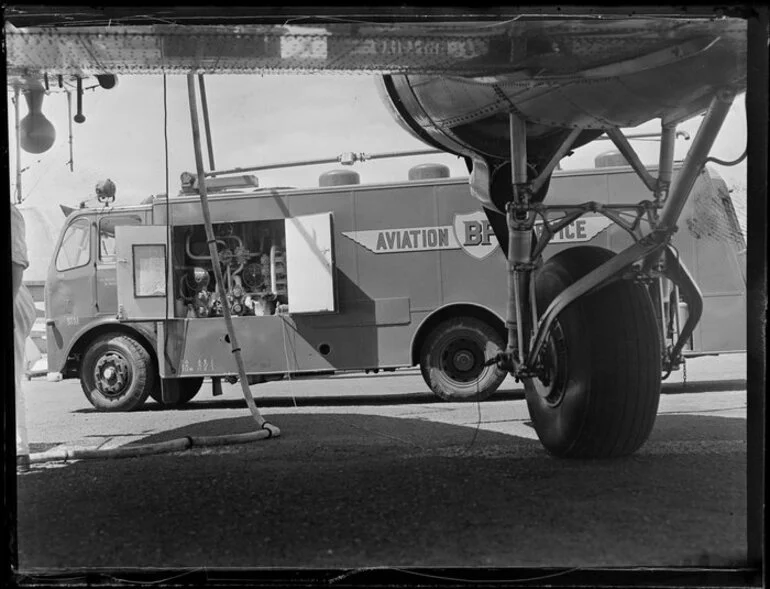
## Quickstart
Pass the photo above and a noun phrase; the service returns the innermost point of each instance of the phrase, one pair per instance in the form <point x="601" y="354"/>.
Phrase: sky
<point x="255" y="120"/>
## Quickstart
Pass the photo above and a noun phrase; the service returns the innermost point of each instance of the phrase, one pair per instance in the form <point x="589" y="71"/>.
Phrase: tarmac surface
<point x="372" y="471"/>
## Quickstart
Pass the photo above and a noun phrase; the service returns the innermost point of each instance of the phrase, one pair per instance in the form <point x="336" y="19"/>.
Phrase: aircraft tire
<point x="603" y="358"/>
<point x="452" y="359"/>
<point x="187" y="389"/>
<point x="117" y="373"/>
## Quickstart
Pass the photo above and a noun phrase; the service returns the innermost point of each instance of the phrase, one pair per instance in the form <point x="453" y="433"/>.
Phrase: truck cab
<point x="81" y="287"/>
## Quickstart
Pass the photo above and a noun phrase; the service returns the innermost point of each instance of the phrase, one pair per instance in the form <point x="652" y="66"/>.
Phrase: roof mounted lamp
<point x="105" y="191"/>
<point x="36" y="132"/>
<point x="107" y="81"/>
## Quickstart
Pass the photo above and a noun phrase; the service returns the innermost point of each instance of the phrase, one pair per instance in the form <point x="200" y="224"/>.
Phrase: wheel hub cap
<point x="551" y="385"/>
<point x="463" y="360"/>
<point x="111" y="373"/>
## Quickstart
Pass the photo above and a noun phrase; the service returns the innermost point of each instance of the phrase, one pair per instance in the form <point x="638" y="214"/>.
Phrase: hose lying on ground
<point x="177" y="445"/>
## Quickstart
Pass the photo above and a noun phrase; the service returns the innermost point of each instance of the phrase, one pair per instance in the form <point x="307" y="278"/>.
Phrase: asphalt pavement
<point x="372" y="471"/>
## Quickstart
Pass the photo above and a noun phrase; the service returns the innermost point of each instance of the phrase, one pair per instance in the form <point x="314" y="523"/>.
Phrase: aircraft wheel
<point x="184" y="390"/>
<point x="599" y="398"/>
<point x="452" y="359"/>
<point x="117" y="373"/>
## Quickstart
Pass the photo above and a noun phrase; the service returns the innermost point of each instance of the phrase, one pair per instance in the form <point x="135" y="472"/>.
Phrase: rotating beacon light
<point x="36" y="132"/>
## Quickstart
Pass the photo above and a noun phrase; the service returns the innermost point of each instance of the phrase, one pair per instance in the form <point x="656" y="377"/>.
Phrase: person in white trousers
<point x="23" y="320"/>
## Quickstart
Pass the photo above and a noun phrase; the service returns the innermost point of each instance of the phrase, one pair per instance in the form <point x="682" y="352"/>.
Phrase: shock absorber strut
<point x="520" y="218"/>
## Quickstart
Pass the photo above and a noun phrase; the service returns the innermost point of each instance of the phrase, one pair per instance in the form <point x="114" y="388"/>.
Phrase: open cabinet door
<point x="142" y="272"/>
<point x="310" y="264"/>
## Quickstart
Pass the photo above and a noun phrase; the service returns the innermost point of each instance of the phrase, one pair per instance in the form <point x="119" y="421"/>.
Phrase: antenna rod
<point x="69" y="118"/>
<point x="18" y="145"/>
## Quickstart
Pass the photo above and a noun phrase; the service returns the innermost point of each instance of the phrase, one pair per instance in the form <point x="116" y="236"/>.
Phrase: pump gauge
<point x="252" y="276"/>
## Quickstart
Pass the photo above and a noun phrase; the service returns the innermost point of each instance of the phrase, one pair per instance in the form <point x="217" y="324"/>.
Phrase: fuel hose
<point x="177" y="445"/>
<point x="212" y="243"/>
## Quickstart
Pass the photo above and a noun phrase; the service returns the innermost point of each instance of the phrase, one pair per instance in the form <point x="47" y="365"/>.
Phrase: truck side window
<point x="107" y="235"/>
<point x="75" y="249"/>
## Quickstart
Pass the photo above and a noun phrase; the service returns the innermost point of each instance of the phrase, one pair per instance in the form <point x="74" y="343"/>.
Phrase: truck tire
<point x="117" y="373"/>
<point x="600" y="398"/>
<point x="453" y="355"/>
<point x="187" y="388"/>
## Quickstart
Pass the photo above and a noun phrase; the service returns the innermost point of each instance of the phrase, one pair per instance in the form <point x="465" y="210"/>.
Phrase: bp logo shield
<point x="475" y="235"/>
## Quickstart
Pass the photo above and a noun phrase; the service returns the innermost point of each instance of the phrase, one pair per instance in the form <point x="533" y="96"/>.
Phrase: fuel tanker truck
<point x="349" y="276"/>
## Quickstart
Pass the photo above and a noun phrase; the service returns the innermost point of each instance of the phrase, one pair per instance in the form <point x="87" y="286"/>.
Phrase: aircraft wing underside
<point x="453" y="83"/>
<point x="524" y="54"/>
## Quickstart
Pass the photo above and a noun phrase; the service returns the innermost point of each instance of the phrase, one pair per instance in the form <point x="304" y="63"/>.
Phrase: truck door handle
<point x="122" y="261"/>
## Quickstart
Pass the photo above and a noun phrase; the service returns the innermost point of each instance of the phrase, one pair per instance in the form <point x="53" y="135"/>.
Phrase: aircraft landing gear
<point x="599" y="384"/>
<point x="583" y="333"/>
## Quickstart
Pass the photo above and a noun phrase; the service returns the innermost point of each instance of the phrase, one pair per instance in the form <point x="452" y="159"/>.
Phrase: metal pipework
<point x="348" y="158"/>
<point x="194" y="256"/>
<point x="683" y="134"/>
<point x="696" y="158"/>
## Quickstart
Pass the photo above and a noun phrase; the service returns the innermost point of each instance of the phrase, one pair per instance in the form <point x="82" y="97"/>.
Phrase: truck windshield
<point x="74" y="250"/>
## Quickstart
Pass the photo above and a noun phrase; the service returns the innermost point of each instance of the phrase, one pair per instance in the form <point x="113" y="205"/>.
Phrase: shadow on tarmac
<point x="703" y="386"/>
<point x="353" y="490"/>
<point x="286" y="400"/>
<point x="311" y="428"/>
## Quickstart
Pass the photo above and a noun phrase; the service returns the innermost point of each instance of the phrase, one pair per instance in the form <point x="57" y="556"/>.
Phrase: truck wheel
<point x="186" y="389"/>
<point x="603" y="365"/>
<point x="452" y="359"/>
<point x="116" y="373"/>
